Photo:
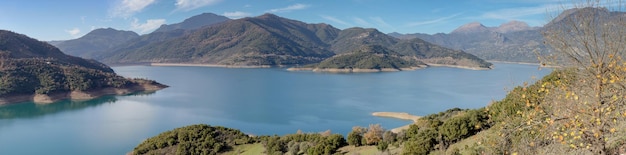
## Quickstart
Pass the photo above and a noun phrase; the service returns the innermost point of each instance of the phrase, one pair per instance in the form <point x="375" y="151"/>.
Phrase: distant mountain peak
<point x="512" y="26"/>
<point x="202" y="17"/>
<point x="194" y="22"/>
<point x="109" y="31"/>
<point x="471" y="28"/>
<point x="268" y="15"/>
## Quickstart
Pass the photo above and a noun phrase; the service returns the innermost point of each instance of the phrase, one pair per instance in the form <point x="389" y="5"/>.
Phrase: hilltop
<point x="95" y="43"/>
<point x="368" y="58"/>
<point x="31" y="70"/>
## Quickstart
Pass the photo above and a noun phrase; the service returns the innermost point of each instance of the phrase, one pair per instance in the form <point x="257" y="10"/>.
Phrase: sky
<point x="48" y="20"/>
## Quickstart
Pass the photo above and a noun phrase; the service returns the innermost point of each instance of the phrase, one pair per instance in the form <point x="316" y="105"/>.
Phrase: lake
<point x="257" y="101"/>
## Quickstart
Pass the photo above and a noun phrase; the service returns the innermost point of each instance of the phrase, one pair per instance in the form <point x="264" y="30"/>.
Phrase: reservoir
<point x="264" y="101"/>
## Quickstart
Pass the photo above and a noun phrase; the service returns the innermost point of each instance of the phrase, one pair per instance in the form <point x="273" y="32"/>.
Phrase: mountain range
<point x="266" y="40"/>
<point x="514" y="41"/>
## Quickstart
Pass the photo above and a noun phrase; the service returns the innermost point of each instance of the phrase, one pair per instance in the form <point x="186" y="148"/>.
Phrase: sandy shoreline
<point x="456" y="66"/>
<point x="77" y="95"/>
<point x="398" y="115"/>
<point x="353" y="70"/>
<point x="207" y="65"/>
<point x="511" y="62"/>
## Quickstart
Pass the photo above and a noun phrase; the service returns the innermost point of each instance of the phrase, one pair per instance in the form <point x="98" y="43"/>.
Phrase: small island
<point x="367" y="58"/>
<point x="31" y="70"/>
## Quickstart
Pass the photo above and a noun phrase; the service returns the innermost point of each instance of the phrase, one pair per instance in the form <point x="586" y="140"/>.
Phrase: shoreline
<point x="330" y="70"/>
<point x="526" y="63"/>
<point x="398" y="115"/>
<point x="354" y="70"/>
<point x="457" y="66"/>
<point x="512" y="62"/>
<point x="206" y="65"/>
<point x="78" y="95"/>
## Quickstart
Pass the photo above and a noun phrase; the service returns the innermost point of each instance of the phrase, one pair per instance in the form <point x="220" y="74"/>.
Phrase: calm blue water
<point x="257" y="101"/>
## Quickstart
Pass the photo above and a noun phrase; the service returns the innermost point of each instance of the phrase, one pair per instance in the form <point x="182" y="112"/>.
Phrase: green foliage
<point x="369" y="57"/>
<point x="41" y="76"/>
<point x="421" y="140"/>
<point x="455" y="129"/>
<point x="310" y="143"/>
<point x="195" y="139"/>
<point x="382" y="146"/>
<point x="355" y="138"/>
<point x="29" y="66"/>
<point x="465" y="125"/>
<point x="438" y="131"/>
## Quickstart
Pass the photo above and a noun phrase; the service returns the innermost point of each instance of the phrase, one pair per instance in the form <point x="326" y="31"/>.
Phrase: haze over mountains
<point x="95" y="42"/>
<point x="514" y="41"/>
<point x="195" y="22"/>
<point x="265" y="40"/>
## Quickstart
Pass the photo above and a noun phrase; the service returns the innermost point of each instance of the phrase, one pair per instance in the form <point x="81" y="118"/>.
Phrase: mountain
<point x="263" y="40"/>
<point x="513" y="26"/>
<point x="164" y="33"/>
<point x="194" y="22"/>
<point x="354" y="38"/>
<point x="95" y="43"/>
<point x="31" y="70"/>
<point x="367" y="58"/>
<point x="514" y="41"/>
<point x="474" y="27"/>
<point x="269" y="40"/>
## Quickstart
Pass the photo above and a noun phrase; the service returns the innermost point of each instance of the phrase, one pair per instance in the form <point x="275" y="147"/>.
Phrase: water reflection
<point x="32" y="110"/>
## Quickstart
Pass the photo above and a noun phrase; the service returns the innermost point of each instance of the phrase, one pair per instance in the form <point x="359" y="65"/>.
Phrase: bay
<point x="257" y="101"/>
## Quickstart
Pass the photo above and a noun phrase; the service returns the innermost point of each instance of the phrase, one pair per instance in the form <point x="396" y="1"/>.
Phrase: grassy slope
<point x="246" y="149"/>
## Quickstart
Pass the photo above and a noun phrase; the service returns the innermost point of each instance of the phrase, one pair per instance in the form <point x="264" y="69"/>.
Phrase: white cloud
<point x="75" y="32"/>
<point x="289" y="8"/>
<point x="127" y="8"/>
<point x="362" y="22"/>
<point x="187" y="5"/>
<point x="236" y="14"/>
<point x="247" y="6"/>
<point x="434" y="21"/>
<point x="380" y="22"/>
<point x="151" y="24"/>
<point x="333" y="19"/>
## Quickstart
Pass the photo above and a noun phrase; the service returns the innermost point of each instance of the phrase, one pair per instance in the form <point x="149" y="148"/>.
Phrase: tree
<point x="585" y="111"/>
<point x="382" y="146"/>
<point x="355" y="137"/>
<point x="374" y="134"/>
<point x="421" y="141"/>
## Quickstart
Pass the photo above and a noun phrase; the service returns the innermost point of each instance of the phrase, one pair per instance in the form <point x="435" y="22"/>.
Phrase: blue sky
<point x="67" y="19"/>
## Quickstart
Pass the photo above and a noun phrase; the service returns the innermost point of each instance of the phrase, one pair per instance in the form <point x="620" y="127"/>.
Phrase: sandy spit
<point x="398" y="115"/>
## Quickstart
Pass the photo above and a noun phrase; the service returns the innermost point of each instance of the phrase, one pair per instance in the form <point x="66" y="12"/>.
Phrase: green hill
<point x="368" y="58"/>
<point x="31" y="70"/>
<point x="263" y="40"/>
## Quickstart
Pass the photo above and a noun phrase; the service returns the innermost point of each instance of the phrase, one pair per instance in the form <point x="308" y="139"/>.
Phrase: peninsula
<point x="367" y="58"/>
<point x="31" y="70"/>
